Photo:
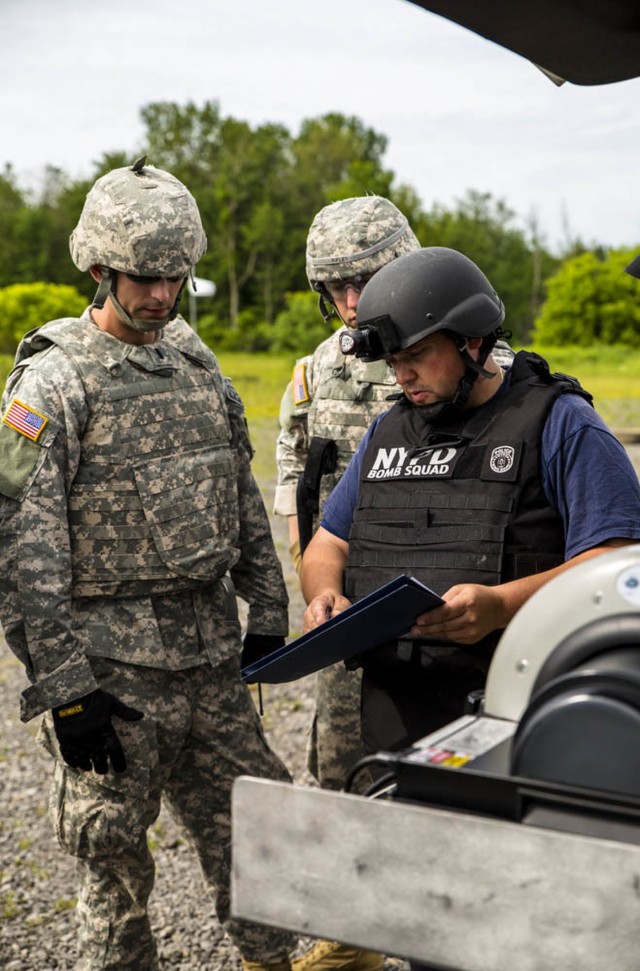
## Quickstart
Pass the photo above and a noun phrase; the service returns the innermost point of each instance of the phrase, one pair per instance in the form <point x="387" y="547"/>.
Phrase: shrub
<point x="24" y="306"/>
<point x="591" y="300"/>
<point x="299" y="327"/>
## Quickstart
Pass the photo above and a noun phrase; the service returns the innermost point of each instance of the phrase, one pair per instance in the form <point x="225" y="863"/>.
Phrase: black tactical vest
<point x="460" y="501"/>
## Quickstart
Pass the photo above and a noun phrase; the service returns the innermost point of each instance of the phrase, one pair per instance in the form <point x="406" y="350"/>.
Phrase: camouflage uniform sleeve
<point x="292" y="445"/>
<point x="257" y="576"/>
<point x="36" y="478"/>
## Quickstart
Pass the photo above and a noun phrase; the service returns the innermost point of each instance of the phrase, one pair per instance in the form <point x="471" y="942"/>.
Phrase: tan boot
<point x="283" y="965"/>
<point x="331" y="956"/>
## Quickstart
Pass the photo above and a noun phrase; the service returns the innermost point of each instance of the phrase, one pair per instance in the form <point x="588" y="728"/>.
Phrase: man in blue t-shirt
<point x="483" y="482"/>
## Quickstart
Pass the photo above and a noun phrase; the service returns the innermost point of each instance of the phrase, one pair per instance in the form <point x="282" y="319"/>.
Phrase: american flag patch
<point x="25" y="420"/>
<point x="299" y="384"/>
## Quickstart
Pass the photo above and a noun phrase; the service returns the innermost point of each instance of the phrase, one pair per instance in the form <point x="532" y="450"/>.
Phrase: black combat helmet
<point x="431" y="289"/>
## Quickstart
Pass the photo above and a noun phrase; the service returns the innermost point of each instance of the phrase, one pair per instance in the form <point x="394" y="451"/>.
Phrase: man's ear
<point x="96" y="272"/>
<point x="473" y="345"/>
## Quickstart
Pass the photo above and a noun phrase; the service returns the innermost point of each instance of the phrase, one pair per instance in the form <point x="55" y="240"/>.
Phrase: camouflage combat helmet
<point x="138" y="220"/>
<point x="355" y="237"/>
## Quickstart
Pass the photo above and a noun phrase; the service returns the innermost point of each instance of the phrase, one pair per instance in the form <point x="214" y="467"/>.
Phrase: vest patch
<point x="25" y="420"/>
<point x="403" y="463"/>
<point x="299" y="386"/>
<point x="501" y="462"/>
<point x="501" y="458"/>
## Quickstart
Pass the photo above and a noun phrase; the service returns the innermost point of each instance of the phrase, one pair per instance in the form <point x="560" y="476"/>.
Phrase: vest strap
<point x="322" y="459"/>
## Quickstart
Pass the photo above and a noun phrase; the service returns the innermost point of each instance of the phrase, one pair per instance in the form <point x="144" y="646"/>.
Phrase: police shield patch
<point x="501" y="460"/>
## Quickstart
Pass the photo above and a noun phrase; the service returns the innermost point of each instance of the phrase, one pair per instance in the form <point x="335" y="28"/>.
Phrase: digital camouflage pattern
<point x="345" y="395"/>
<point x="119" y="210"/>
<point x="97" y="594"/>
<point x="200" y="731"/>
<point x="101" y="501"/>
<point x="357" y="235"/>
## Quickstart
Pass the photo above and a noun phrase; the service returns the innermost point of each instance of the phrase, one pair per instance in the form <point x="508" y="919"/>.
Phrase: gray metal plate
<point x="467" y="892"/>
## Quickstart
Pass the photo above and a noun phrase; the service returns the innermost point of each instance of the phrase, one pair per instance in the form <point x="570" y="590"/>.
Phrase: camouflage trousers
<point x="335" y="743"/>
<point x="200" y="731"/>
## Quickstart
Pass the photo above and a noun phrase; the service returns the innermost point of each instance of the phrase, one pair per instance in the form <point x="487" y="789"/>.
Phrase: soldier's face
<point x="430" y="371"/>
<point x="147" y="298"/>
<point x="345" y="295"/>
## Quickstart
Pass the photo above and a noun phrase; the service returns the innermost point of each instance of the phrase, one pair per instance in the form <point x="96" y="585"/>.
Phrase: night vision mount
<point x="375" y="339"/>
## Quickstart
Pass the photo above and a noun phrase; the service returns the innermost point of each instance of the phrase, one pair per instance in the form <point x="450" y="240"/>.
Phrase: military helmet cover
<point x="141" y="220"/>
<point x="356" y="236"/>
<point x="432" y="289"/>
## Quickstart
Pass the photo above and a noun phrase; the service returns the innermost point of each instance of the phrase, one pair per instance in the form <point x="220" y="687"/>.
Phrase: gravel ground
<point x="37" y="926"/>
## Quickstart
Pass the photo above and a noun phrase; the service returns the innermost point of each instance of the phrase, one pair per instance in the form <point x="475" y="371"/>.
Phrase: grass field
<point x="611" y="374"/>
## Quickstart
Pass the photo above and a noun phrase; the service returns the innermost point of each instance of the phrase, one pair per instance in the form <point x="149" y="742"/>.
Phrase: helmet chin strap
<point x="107" y="288"/>
<point x="478" y="366"/>
<point x="441" y="411"/>
<point x="327" y="314"/>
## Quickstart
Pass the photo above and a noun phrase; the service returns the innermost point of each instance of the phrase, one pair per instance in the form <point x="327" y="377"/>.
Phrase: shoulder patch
<point x="25" y="420"/>
<point x="299" y="386"/>
<point x="20" y="461"/>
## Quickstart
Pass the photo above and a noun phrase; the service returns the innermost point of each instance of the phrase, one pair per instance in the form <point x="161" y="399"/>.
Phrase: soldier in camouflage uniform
<point x="325" y="410"/>
<point x="333" y="398"/>
<point x="129" y="512"/>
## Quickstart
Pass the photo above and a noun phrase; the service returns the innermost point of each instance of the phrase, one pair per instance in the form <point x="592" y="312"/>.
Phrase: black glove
<point x="85" y="733"/>
<point x="257" y="646"/>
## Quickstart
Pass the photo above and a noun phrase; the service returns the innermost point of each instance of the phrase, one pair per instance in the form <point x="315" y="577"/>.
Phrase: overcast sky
<point x="458" y="111"/>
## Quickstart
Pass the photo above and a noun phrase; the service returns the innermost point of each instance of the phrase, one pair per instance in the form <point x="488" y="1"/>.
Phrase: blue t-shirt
<point x="586" y="475"/>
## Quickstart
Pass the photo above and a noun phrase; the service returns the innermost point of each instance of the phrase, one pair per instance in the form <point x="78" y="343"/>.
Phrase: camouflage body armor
<point x="326" y="410"/>
<point x="348" y="396"/>
<point x="148" y="517"/>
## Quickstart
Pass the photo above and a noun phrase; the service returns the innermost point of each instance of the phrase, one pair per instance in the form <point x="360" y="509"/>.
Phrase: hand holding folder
<point x="381" y="616"/>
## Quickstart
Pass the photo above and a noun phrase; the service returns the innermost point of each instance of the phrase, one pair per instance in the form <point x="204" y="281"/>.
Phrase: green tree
<point x="249" y="192"/>
<point x="12" y="208"/>
<point x="590" y="300"/>
<point x="239" y="177"/>
<point x="299" y="328"/>
<point x="47" y="227"/>
<point x="484" y="229"/>
<point x="334" y="157"/>
<point x="35" y="229"/>
<point x="24" y="306"/>
<point x="258" y="190"/>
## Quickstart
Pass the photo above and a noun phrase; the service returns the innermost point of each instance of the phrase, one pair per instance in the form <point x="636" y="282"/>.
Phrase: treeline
<point x="258" y="189"/>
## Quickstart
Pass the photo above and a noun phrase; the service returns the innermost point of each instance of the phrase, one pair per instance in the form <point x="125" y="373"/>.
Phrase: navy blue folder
<point x="381" y="616"/>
